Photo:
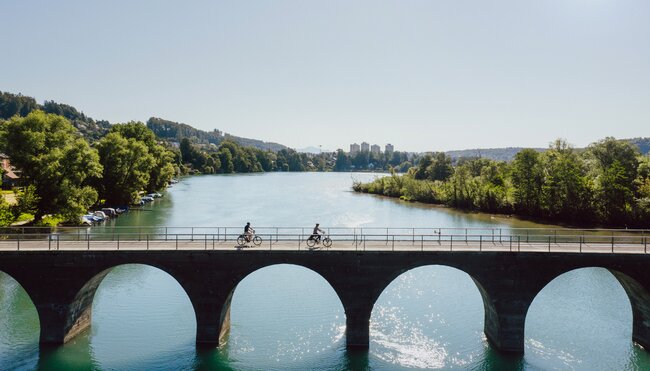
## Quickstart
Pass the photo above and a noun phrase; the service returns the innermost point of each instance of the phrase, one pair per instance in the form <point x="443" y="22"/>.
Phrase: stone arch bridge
<point x="62" y="284"/>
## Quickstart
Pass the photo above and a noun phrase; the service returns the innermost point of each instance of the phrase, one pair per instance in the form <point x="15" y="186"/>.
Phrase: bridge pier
<point x="357" y="330"/>
<point x="63" y="302"/>
<point x="210" y="290"/>
<point x="505" y="331"/>
<point x="506" y="300"/>
<point x="212" y="321"/>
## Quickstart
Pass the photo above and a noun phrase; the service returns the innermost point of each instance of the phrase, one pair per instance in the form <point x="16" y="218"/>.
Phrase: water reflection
<point x="429" y="317"/>
<point x="308" y="318"/>
<point x="579" y="313"/>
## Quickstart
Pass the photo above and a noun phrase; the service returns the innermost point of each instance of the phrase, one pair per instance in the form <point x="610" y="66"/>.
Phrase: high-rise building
<point x="375" y="149"/>
<point x="354" y="148"/>
<point x="389" y="148"/>
<point x="365" y="147"/>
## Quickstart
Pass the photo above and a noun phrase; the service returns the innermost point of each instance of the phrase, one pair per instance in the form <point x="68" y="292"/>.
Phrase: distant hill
<point x="508" y="154"/>
<point x="312" y="149"/>
<point x="175" y="131"/>
<point x="642" y="143"/>
<point x="18" y="104"/>
<point x="498" y="154"/>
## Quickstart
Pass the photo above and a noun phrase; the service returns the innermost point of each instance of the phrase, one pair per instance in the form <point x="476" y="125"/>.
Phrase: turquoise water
<point x="288" y="317"/>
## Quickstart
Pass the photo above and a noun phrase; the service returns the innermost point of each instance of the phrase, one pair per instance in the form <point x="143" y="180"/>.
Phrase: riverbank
<point x="472" y="196"/>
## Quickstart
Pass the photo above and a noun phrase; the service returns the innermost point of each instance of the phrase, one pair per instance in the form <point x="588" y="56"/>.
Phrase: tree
<point x="225" y="158"/>
<point x="527" y="179"/>
<point x="6" y="215"/>
<point x="342" y="161"/>
<point x="52" y="156"/>
<point x="614" y="164"/>
<point x="127" y="164"/>
<point x="421" y="170"/>
<point x="440" y="167"/>
<point x="163" y="169"/>
<point x="566" y="192"/>
<point x="12" y="104"/>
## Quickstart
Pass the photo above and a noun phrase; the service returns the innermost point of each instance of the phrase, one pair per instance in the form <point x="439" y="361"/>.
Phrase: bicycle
<point x="256" y="240"/>
<point x="315" y="240"/>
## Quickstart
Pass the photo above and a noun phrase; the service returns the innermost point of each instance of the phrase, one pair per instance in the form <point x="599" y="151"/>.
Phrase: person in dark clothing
<point x="248" y="232"/>
<point x="316" y="233"/>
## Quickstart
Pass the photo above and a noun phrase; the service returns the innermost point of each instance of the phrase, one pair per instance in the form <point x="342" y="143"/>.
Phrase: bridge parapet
<point x="358" y="239"/>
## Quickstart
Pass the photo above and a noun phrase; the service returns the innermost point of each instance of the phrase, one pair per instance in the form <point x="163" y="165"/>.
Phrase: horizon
<point x="421" y="76"/>
<point x="314" y="148"/>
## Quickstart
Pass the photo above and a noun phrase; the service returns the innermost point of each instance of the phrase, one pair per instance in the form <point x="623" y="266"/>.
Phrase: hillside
<point x="642" y="143"/>
<point x="498" y="154"/>
<point x="175" y="131"/>
<point x="17" y="104"/>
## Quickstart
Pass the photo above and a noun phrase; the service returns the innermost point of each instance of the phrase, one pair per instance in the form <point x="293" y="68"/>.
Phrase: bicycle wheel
<point x="257" y="240"/>
<point x="311" y="242"/>
<point x="327" y="242"/>
<point x="241" y="241"/>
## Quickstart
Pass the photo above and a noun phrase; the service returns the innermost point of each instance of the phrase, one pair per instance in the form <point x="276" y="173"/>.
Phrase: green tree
<point x="420" y="171"/>
<point x="6" y="214"/>
<point x="187" y="151"/>
<point x="614" y="164"/>
<point x="225" y="158"/>
<point x="440" y="168"/>
<point x="53" y="158"/>
<point x="342" y="161"/>
<point x="527" y="179"/>
<point x="566" y="192"/>
<point x="127" y="164"/>
<point x="163" y="169"/>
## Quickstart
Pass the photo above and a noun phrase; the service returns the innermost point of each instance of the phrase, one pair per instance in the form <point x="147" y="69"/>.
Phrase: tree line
<point x="608" y="183"/>
<point x="360" y="161"/>
<point x="231" y="157"/>
<point x="64" y="175"/>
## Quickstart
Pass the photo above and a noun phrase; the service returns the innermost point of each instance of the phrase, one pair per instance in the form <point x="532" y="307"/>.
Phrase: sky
<point x="422" y="75"/>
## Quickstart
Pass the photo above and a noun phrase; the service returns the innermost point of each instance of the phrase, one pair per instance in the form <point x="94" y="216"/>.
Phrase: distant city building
<point x="389" y="148"/>
<point x="354" y="148"/>
<point x="375" y="149"/>
<point x="365" y="147"/>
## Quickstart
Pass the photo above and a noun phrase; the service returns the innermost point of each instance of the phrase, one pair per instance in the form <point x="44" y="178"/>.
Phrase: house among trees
<point x="10" y="175"/>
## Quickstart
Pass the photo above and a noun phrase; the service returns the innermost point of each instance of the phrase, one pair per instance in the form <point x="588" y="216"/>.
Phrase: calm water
<point x="288" y="317"/>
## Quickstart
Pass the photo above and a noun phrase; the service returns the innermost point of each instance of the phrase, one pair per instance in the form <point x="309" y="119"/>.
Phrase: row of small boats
<point x="148" y="198"/>
<point x="106" y="213"/>
<point x="99" y="216"/>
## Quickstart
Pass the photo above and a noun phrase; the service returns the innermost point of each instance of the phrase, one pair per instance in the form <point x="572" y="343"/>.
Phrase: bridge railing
<point x="294" y="238"/>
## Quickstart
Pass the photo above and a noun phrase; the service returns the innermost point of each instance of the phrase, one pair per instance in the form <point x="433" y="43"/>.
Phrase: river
<point x="288" y="317"/>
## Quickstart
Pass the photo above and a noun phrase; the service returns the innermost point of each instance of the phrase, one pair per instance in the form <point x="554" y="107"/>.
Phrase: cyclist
<point x="316" y="233"/>
<point x="248" y="232"/>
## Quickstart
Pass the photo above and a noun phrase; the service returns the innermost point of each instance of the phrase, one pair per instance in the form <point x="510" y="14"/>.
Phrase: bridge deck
<point x="210" y="244"/>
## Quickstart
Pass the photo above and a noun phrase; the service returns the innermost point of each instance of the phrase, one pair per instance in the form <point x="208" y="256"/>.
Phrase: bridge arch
<point x="609" y="299"/>
<point x="451" y="292"/>
<point x="72" y="313"/>
<point x="293" y="296"/>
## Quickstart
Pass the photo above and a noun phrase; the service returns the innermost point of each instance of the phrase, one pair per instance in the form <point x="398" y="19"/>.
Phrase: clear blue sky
<point x="423" y="75"/>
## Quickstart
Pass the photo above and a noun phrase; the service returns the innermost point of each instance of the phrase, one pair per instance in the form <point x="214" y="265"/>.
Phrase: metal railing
<point x="358" y="239"/>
